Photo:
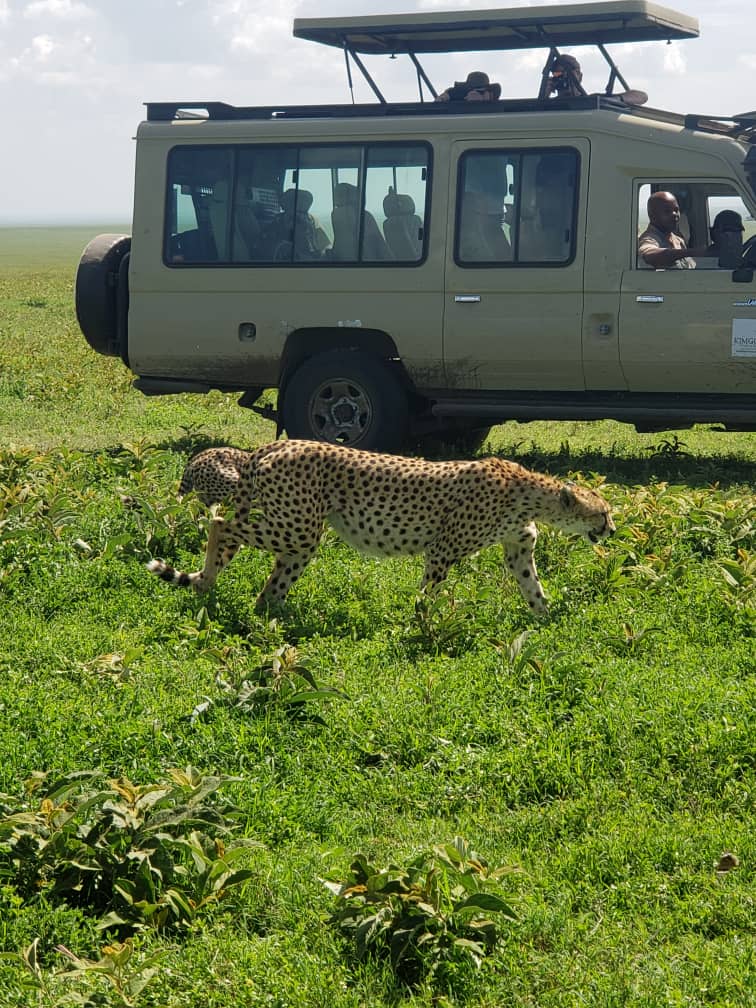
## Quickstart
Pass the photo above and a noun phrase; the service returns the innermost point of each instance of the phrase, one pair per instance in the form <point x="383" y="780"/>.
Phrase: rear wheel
<point x="347" y="397"/>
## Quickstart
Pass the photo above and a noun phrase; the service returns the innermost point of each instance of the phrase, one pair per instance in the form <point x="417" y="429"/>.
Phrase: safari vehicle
<point x="431" y="267"/>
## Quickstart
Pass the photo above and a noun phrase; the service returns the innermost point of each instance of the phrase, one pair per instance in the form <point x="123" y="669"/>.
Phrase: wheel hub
<point x="344" y="412"/>
<point x="341" y="411"/>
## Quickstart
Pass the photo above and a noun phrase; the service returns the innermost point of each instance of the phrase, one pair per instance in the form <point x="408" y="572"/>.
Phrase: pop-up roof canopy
<point x="513" y="28"/>
<point x="470" y="31"/>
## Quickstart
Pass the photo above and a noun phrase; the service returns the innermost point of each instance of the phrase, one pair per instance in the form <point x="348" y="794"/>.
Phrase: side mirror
<point x="743" y="274"/>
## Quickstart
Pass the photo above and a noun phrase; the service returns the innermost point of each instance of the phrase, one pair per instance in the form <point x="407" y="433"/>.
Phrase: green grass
<point x="607" y="753"/>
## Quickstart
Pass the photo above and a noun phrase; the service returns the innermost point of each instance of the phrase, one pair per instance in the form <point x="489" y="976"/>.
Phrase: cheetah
<point x="284" y="492"/>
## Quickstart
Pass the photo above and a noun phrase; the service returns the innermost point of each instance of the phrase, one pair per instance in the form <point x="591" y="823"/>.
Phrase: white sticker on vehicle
<point x="744" y="337"/>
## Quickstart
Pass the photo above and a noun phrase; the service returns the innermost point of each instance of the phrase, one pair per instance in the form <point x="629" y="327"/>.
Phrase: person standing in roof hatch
<point x="565" y="77"/>
<point x="477" y="87"/>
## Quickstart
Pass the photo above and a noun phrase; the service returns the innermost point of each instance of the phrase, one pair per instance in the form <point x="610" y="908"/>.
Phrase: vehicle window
<point x="348" y="204"/>
<point x="701" y="204"/>
<point x="517" y="207"/>
<point x="197" y="205"/>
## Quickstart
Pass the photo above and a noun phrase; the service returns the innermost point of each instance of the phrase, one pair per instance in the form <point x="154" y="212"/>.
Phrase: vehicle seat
<point x="541" y="242"/>
<point x="247" y="231"/>
<point x="402" y="228"/>
<point x="218" y="207"/>
<point x="244" y="234"/>
<point x="481" y="237"/>
<point x="345" y="218"/>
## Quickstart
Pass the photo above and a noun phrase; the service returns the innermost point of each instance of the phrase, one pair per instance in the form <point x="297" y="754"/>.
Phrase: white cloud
<point x="247" y="30"/>
<point x="64" y="9"/>
<point x="4" y="11"/>
<point x="42" y="47"/>
<point x="674" y="59"/>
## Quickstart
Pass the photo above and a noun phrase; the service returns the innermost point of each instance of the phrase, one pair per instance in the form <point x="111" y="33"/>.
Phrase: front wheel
<point x="347" y="397"/>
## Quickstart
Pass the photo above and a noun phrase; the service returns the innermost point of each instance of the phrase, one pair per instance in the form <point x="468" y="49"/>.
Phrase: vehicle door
<point x="689" y="330"/>
<point x="514" y="274"/>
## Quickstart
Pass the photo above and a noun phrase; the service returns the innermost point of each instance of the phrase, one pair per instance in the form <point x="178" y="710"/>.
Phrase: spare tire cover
<point x="97" y="291"/>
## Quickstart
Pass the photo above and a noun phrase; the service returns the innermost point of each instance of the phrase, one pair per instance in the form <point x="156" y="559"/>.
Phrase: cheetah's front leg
<point x="521" y="563"/>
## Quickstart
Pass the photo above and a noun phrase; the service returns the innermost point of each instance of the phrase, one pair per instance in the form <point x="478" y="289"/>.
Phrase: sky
<point x="75" y="74"/>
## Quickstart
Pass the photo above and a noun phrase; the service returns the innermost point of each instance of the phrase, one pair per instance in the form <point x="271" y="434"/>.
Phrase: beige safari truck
<point x="431" y="267"/>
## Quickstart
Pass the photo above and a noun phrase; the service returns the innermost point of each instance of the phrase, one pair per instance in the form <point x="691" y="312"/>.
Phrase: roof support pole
<point x="350" y="52"/>
<point x="350" y="82"/>
<point x="615" y="74"/>
<point x="422" y="76"/>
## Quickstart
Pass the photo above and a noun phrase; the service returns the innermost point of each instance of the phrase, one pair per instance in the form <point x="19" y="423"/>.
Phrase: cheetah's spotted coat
<point x="284" y="492"/>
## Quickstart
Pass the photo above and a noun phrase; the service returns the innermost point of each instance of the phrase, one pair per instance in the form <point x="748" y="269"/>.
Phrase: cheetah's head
<point x="585" y="512"/>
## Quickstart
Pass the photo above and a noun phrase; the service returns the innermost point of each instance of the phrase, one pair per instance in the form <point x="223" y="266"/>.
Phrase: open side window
<point x="713" y="218"/>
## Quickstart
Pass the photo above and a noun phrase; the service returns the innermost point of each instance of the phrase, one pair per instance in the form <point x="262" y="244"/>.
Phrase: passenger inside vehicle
<point x="726" y="233"/>
<point x="294" y="234"/>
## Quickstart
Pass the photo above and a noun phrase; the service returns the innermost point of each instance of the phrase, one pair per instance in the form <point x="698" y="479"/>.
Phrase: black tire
<point x="347" y="397"/>
<point x="97" y="292"/>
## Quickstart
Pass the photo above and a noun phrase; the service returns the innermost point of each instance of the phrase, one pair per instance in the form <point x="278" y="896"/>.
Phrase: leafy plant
<point x="125" y="975"/>
<point x="135" y="856"/>
<point x="631" y="639"/>
<point x="280" y="683"/>
<point x="671" y="447"/>
<point x="441" y="623"/>
<point x="740" y="578"/>
<point x="428" y="918"/>
<point x="520" y="654"/>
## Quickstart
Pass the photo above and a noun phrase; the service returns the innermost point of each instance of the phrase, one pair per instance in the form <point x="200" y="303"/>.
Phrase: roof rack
<point x="741" y="127"/>
<point x="216" y="111"/>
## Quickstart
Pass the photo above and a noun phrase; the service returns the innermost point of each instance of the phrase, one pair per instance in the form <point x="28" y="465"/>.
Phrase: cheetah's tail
<point x="167" y="573"/>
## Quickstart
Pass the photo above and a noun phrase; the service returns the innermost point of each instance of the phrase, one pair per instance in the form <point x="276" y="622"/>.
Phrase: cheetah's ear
<point x="566" y="497"/>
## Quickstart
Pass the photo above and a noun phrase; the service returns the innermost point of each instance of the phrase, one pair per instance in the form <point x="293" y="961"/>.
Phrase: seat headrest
<point x="220" y="191"/>
<point x="345" y="194"/>
<point x="300" y="199"/>
<point x="396" y="203"/>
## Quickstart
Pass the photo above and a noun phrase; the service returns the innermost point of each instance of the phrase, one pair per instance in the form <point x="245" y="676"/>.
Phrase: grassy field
<point x="604" y="758"/>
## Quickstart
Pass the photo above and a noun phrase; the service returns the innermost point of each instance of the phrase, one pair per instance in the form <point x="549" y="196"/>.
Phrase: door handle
<point x="650" y="298"/>
<point x="466" y="298"/>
